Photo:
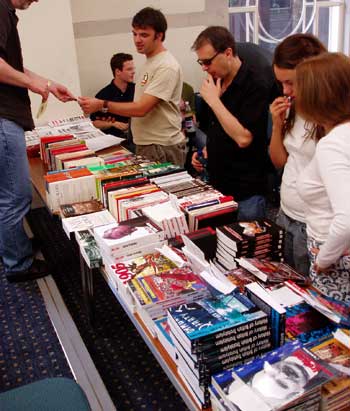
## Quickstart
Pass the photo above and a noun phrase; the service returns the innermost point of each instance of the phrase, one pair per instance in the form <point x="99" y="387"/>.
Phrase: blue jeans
<point x="15" y="198"/>
<point x="295" y="243"/>
<point x="252" y="208"/>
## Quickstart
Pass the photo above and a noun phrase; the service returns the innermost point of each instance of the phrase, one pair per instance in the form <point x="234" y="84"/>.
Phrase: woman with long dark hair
<point x="293" y="143"/>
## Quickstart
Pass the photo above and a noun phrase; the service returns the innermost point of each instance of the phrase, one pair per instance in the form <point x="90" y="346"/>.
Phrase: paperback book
<point x="80" y="208"/>
<point x="215" y="318"/>
<point x="127" y="234"/>
<point x="280" y="378"/>
<point x="272" y="271"/>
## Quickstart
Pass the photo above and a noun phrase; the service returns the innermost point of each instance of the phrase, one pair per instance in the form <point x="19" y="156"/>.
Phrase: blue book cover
<point x="210" y="316"/>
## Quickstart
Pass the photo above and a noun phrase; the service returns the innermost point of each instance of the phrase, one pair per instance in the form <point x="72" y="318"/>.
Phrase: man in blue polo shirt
<point x="120" y="89"/>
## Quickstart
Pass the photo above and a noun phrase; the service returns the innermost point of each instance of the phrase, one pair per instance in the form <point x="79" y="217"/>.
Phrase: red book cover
<point x="44" y="141"/>
<point x="69" y="149"/>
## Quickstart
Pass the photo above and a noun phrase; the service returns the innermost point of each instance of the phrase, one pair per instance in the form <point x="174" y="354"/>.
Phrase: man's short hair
<point x="150" y="17"/>
<point x="219" y="37"/>
<point x="118" y="60"/>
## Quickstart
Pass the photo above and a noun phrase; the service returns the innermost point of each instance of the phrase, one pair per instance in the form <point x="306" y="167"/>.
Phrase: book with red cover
<point x="216" y="218"/>
<point x="45" y="140"/>
<point x="63" y="150"/>
<point x="115" y="185"/>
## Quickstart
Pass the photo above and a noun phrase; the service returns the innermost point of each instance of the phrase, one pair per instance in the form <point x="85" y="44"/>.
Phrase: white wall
<point x="48" y="48"/>
<point x="72" y="41"/>
<point x="101" y="32"/>
<point x="94" y="54"/>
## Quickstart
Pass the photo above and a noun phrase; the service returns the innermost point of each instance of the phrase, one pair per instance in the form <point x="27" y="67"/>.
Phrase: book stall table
<point x="87" y="277"/>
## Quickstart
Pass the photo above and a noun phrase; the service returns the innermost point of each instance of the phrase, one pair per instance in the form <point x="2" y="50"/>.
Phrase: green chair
<point x="51" y="394"/>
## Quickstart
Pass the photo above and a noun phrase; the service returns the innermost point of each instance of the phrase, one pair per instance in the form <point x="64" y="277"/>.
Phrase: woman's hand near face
<point x="278" y="110"/>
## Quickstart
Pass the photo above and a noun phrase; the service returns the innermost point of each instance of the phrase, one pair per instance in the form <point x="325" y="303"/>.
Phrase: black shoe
<point x="38" y="269"/>
<point x="36" y="245"/>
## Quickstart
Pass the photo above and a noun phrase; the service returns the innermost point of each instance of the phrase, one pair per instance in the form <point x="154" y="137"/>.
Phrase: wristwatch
<point x="105" y="107"/>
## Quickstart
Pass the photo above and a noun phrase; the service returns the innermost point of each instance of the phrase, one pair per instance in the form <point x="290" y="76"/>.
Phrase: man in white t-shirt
<point x="156" y="123"/>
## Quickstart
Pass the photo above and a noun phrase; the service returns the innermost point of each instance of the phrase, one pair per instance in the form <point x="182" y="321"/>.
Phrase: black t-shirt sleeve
<point x="254" y="107"/>
<point x="5" y="27"/>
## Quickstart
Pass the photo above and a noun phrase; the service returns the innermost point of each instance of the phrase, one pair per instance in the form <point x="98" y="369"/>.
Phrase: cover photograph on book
<point x="79" y="208"/>
<point x="285" y="375"/>
<point x="152" y="263"/>
<point x="127" y="233"/>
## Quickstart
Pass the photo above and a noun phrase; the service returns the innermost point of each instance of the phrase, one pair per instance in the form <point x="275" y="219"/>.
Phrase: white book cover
<point x="70" y="191"/>
<point x="85" y="221"/>
<point x="127" y="234"/>
<point x="96" y="161"/>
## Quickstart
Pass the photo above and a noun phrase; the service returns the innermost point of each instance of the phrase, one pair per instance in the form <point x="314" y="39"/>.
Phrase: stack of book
<point x="80" y="208"/>
<point x="69" y="186"/>
<point x="150" y="262"/>
<point x="162" y="331"/>
<point x="213" y="335"/>
<point x="288" y="378"/>
<point x="168" y="216"/>
<point x="307" y="325"/>
<point x="88" y="248"/>
<point x="111" y="173"/>
<point x="124" y="200"/>
<point x="124" y="241"/>
<point x="170" y="179"/>
<point x="272" y="273"/>
<point x="337" y="311"/>
<point x="208" y="207"/>
<point x="45" y="142"/>
<point x="181" y="186"/>
<point x="119" y="154"/>
<point x="118" y="238"/>
<point x="85" y="221"/>
<point x="240" y="277"/>
<point x="258" y="238"/>
<point x="204" y="238"/>
<point x="336" y="393"/>
<point x="158" y="170"/>
<point x="154" y="294"/>
<point x="276" y="313"/>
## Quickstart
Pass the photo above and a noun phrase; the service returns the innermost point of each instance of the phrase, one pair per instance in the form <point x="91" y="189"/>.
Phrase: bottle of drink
<point x="189" y="123"/>
<point x="204" y="174"/>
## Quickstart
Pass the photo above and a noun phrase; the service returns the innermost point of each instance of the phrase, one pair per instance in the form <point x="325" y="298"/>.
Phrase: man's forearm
<point x="134" y="109"/>
<point x="34" y="76"/>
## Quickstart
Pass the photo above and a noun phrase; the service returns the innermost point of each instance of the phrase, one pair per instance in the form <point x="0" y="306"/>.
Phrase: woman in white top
<point x="293" y="143"/>
<point x="323" y="90"/>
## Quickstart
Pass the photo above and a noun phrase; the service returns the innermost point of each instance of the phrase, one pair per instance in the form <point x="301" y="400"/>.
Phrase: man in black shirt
<point x="15" y="118"/>
<point x="120" y="89"/>
<point x="238" y="112"/>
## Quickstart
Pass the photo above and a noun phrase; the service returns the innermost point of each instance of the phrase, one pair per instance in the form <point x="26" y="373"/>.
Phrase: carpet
<point x="29" y="348"/>
<point x="130" y="373"/>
